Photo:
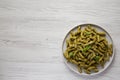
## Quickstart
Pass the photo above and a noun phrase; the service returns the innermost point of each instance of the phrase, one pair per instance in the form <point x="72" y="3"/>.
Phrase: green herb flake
<point x="71" y="54"/>
<point x="97" y="58"/>
<point x="86" y="48"/>
<point x="87" y="33"/>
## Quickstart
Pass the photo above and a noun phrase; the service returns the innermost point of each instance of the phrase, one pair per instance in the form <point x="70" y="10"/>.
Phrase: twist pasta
<point x="87" y="48"/>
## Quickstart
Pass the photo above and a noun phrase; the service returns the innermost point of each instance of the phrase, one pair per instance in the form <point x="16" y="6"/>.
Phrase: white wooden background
<point x="32" y="31"/>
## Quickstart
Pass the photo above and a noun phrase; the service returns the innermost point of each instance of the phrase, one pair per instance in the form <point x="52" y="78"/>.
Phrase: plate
<point x="74" y="67"/>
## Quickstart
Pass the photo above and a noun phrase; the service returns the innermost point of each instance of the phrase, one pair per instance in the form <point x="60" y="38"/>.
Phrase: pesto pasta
<point x="88" y="48"/>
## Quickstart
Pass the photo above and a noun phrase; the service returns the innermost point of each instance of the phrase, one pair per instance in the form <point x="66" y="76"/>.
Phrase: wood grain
<point x="32" y="31"/>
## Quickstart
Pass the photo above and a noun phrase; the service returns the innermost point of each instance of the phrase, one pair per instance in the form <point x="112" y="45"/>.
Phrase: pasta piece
<point x="101" y="33"/>
<point x="80" y="70"/>
<point x="86" y="71"/>
<point x="91" y="68"/>
<point x="91" y="62"/>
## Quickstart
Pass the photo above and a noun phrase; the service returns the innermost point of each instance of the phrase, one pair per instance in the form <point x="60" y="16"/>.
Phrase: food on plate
<point x="88" y="48"/>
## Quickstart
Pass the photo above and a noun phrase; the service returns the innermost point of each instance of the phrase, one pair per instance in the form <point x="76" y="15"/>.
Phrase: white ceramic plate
<point x="74" y="67"/>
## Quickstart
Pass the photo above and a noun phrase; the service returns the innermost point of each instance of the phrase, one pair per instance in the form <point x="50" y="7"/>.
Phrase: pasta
<point x="87" y="48"/>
